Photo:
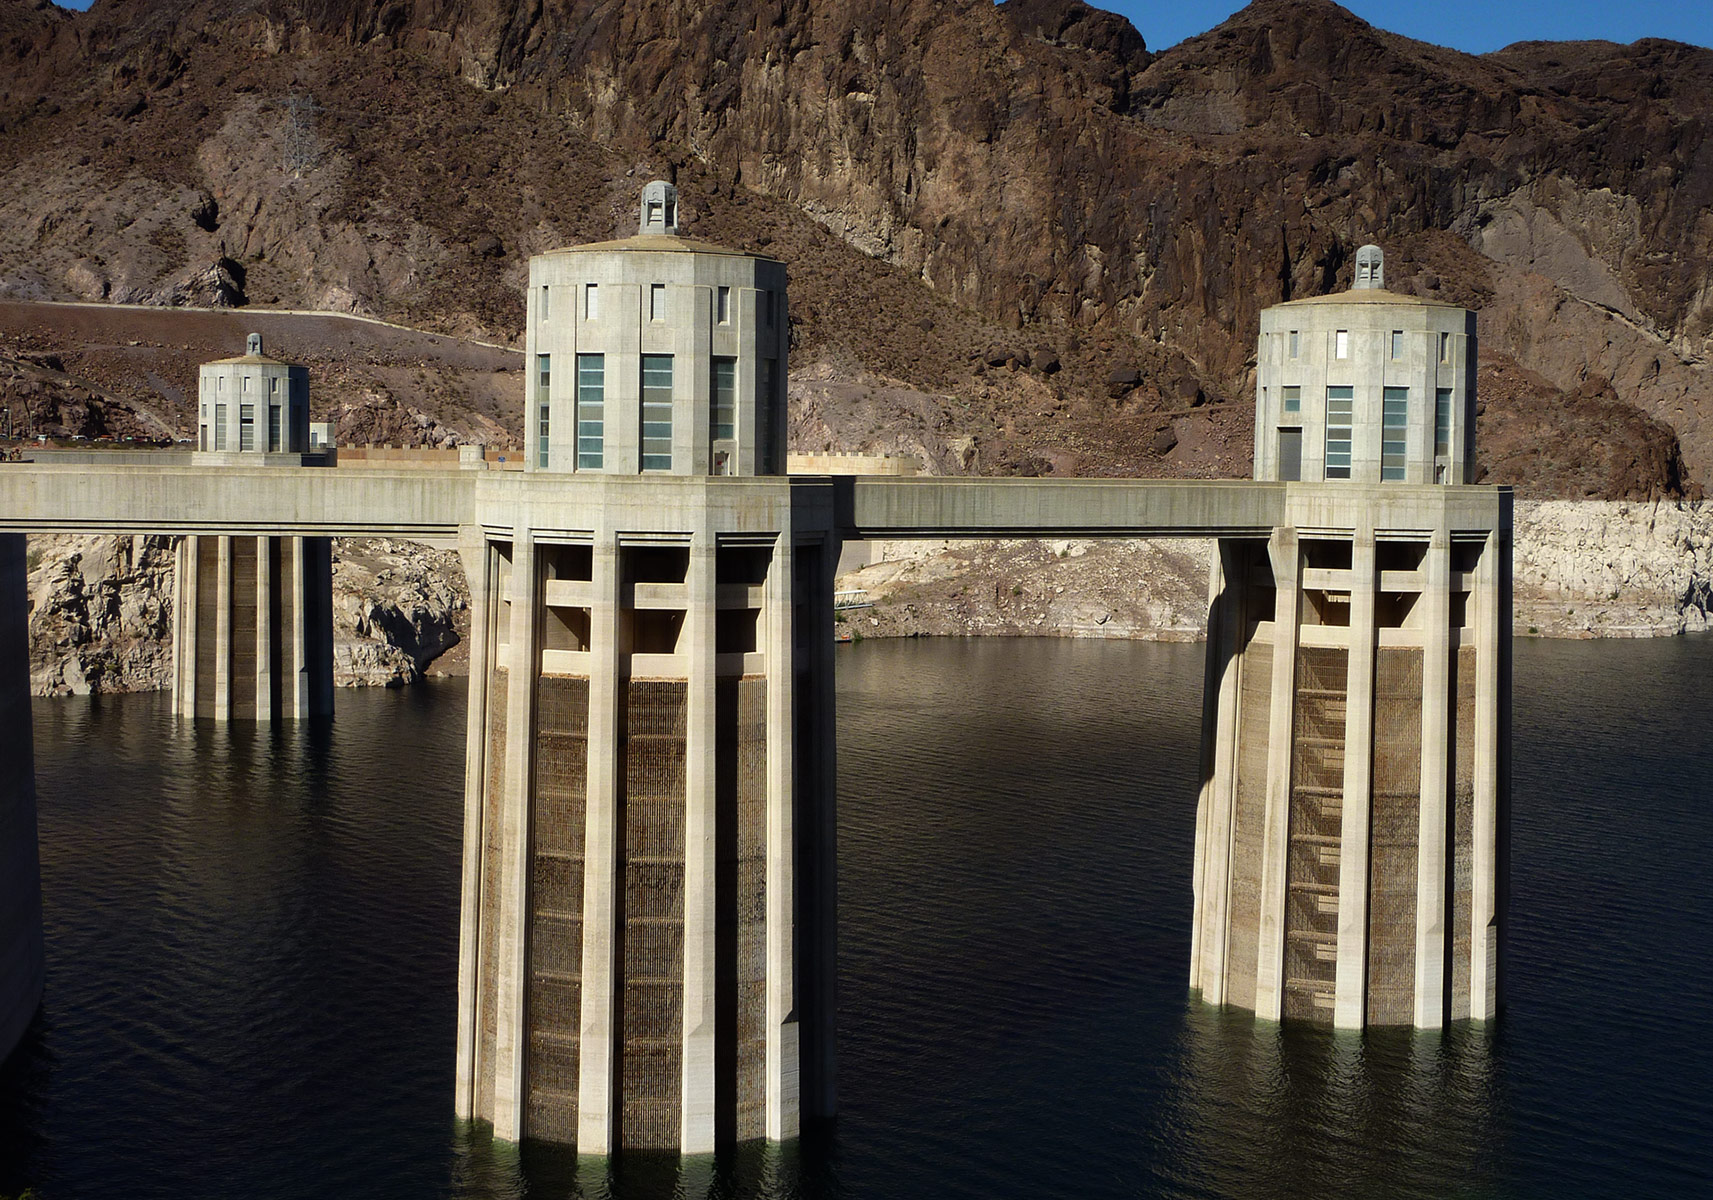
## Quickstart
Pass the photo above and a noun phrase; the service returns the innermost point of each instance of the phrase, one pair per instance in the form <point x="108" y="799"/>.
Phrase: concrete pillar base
<point x="253" y="628"/>
<point x="1351" y="841"/>
<point x="645" y="816"/>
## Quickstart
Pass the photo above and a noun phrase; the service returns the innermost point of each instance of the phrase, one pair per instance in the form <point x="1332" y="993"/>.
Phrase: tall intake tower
<point x="1351" y="862"/>
<point x="647" y="945"/>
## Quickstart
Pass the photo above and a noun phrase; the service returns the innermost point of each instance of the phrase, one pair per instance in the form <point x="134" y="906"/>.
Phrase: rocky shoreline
<point x="1583" y="569"/>
<point x="101" y="606"/>
<point x="101" y="613"/>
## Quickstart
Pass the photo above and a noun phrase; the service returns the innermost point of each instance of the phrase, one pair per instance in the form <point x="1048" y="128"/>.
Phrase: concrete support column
<point x="1219" y="773"/>
<point x="825" y="930"/>
<point x="1491" y="599"/>
<point x="265" y="632"/>
<point x="223" y="633"/>
<point x="298" y="685"/>
<point x="185" y="628"/>
<point x="511" y="946"/>
<point x="316" y="592"/>
<point x="597" y="1118"/>
<point x="478" y="573"/>
<point x="783" y="1094"/>
<point x="701" y="913"/>
<point x="1351" y="994"/>
<point x="1285" y="552"/>
<point x="22" y="965"/>
<point x="1434" y="829"/>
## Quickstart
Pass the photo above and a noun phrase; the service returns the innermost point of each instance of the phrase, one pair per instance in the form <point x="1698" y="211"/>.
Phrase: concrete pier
<point x="1353" y="796"/>
<point x="253" y="628"/>
<point x="22" y="967"/>
<point x="648" y="850"/>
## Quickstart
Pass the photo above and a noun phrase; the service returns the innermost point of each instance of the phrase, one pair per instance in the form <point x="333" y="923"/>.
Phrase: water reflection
<point x="1261" y="1109"/>
<point x="484" y="1169"/>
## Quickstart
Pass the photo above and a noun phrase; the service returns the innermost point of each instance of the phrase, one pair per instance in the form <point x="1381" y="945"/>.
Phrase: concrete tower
<point x="648" y="879"/>
<point x="252" y="405"/>
<point x="656" y="354"/>
<point x="1366" y="386"/>
<point x="1351" y="861"/>
<point x="253" y="618"/>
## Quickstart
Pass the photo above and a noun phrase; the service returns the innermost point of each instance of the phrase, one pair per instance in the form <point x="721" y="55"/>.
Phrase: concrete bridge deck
<point x="432" y="505"/>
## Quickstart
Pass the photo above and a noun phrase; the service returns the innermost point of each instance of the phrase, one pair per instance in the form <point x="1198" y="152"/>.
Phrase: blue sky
<point x="1473" y="25"/>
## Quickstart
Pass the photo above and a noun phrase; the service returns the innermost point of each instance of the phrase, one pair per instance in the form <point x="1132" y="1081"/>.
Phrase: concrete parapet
<point x="1351" y="862"/>
<point x="22" y="966"/>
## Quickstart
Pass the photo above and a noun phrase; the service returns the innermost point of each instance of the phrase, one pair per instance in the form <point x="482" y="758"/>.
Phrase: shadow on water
<point x="1266" y="1110"/>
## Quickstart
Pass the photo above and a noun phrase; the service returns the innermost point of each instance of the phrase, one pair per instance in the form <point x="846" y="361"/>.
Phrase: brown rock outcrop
<point x="1031" y="163"/>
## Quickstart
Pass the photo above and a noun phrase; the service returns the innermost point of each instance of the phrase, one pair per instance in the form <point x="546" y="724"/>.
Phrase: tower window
<point x="723" y="305"/>
<point x="1397" y="343"/>
<point x="764" y="408"/>
<point x="1293" y="340"/>
<point x="1290" y="454"/>
<point x="220" y="426"/>
<point x="723" y="418"/>
<point x="591" y="411"/>
<point x="1442" y="422"/>
<point x="1394" y="432"/>
<point x="591" y="302"/>
<point x="543" y="384"/>
<point x="657" y="412"/>
<point x="541" y="309"/>
<point x="276" y="424"/>
<point x="1292" y="398"/>
<point x="1341" y="344"/>
<point x="657" y="302"/>
<point x="246" y="426"/>
<point x="1340" y="404"/>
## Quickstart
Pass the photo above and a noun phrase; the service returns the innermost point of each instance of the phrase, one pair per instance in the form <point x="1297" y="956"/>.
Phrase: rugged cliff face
<point x="1045" y="244"/>
<point x="1583" y="570"/>
<point x="101" y="613"/>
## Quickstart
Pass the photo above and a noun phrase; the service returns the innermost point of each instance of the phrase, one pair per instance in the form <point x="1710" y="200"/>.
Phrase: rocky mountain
<point x="1020" y="241"/>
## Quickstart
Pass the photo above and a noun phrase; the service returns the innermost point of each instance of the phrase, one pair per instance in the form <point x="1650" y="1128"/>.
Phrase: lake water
<point x="252" y="954"/>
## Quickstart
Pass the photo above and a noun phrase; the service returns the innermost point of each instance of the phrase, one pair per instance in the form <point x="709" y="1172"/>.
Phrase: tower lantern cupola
<point x="659" y="209"/>
<point x="1366" y="385"/>
<point x="1370" y="270"/>
<point x="657" y="353"/>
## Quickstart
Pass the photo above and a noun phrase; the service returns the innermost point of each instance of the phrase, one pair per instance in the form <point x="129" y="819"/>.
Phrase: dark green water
<point x="252" y="952"/>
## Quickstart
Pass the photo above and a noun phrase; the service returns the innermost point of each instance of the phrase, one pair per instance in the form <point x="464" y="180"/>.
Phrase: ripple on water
<point x="253" y="949"/>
